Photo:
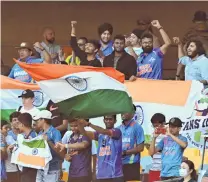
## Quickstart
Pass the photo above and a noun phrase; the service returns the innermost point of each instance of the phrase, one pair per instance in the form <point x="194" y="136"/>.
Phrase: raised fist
<point x="156" y="23"/>
<point x="176" y="40"/>
<point x="73" y="23"/>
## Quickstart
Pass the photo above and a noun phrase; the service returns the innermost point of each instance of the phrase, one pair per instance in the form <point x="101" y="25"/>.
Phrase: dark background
<point x="24" y="21"/>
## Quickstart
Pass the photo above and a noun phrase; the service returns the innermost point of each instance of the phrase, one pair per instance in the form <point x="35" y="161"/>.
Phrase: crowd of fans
<point x="138" y="54"/>
<point x="116" y="158"/>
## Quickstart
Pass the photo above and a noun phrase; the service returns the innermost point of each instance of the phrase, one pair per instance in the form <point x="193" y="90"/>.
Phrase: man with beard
<point x="105" y="32"/>
<point x="121" y="60"/>
<point x="88" y="56"/>
<point x="50" y="46"/>
<point x="150" y="62"/>
<point x="196" y="63"/>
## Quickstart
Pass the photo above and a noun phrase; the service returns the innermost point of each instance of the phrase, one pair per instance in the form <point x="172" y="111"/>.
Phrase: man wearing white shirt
<point x="28" y="97"/>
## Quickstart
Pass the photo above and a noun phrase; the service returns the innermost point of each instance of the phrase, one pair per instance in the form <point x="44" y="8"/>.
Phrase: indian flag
<point x="86" y="92"/>
<point x="33" y="153"/>
<point x="11" y="89"/>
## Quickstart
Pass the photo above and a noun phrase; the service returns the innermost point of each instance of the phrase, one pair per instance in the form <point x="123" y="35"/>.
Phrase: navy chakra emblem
<point x="39" y="98"/>
<point x="35" y="151"/>
<point x="139" y="115"/>
<point x="77" y="83"/>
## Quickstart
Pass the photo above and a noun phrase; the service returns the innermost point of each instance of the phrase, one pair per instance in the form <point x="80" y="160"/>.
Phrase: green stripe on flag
<point x="97" y="103"/>
<point x="34" y="144"/>
<point x="5" y="113"/>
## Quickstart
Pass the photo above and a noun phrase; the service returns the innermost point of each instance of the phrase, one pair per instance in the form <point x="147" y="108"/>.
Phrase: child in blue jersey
<point x="172" y="147"/>
<point x="109" y="155"/>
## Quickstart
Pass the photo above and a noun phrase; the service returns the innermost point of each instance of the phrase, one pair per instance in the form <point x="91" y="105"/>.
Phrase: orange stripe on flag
<point x="9" y="83"/>
<point x="141" y="90"/>
<point x="52" y="71"/>
<point x="31" y="160"/>
<point x="159" y="91"/>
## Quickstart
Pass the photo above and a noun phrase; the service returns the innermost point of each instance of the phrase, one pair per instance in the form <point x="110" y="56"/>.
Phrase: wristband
<point x="66" y="146"/>
<point x="160" y="28"/>
<point x="177" y="75"/>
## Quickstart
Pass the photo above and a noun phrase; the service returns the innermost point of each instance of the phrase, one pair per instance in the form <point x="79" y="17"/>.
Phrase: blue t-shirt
<point x="18" y="73"/>
<point x="132" y="134"/>
<point x="12" y="134"/>
<point x="54" y="136"/>
<point x="172" y="154"/>
<point x="197" y="69"/>
<point x="150" y="65"/>
<point x="109" y="155"/>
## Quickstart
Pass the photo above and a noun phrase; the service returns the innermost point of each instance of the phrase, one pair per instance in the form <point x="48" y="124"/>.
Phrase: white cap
<point x="45" y="114"/>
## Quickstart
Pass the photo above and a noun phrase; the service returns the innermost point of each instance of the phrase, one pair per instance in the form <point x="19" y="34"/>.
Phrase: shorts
<point x="28" y="174"/>
<point x="154" y="176"/>
<point x="13" y="176"/>
<point x="131" y="172"/>
<point x="52" y="176"/>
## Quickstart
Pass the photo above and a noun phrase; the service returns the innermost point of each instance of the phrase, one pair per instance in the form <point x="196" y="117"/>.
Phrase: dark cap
<point x="175" y="122"/>
<point x="27" y="94"/>
<point x="200" y="16"/>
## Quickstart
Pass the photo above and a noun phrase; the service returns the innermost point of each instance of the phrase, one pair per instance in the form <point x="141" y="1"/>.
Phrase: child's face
<point x="174" y="130"/>
<point x="5" y="129"/>
<point x="74" y="127"/>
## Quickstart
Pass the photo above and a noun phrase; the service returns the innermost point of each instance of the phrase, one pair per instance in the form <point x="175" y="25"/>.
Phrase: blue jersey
<point x="150" y="65"/>
<point x="132" y="134"/>
<point x="109" y="156"/>
<point x="18" y="73"/>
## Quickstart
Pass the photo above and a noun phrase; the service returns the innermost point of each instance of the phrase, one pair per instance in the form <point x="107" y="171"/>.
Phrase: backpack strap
<point x="20" y="107"/>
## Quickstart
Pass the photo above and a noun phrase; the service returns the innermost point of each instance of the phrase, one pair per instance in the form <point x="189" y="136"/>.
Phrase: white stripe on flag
<point x="60" y="89"/>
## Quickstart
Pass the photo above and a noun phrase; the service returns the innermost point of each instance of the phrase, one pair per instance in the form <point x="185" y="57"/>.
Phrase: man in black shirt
<point x="121" y="60"/>
<point x="87" y="57"/>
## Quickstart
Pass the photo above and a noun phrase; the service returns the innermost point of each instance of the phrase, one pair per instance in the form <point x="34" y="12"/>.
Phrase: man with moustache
<point x="196" y="63"/>
<point x="50" y="46"/>
<point x="150" y="62"/>
<point x="105" y="32"/>
<point x="121" y="60"/>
